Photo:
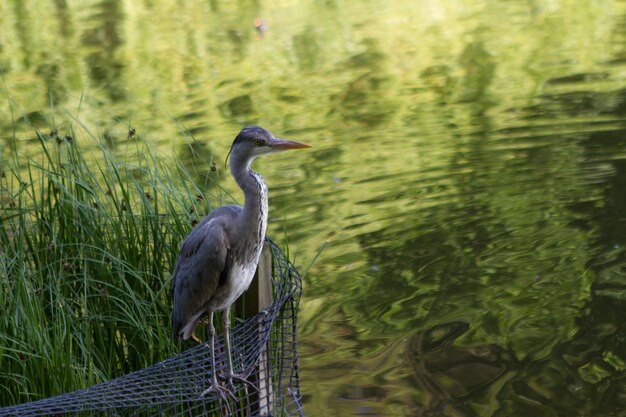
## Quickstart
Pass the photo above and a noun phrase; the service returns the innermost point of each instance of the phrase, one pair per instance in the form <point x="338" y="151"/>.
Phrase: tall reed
<point x="87" y="240"/>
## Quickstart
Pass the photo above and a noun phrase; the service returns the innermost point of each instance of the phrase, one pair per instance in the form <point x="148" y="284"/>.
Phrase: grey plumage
<point x="218" y="259"/>
<point x="202" y="267"/>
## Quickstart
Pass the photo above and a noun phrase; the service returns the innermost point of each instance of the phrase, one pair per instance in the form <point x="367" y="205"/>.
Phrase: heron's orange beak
<point x="283" y="145"/>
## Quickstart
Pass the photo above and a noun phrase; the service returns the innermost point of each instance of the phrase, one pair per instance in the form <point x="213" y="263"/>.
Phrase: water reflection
<point x="102" y="41"/>
<point x="469" y="171"/>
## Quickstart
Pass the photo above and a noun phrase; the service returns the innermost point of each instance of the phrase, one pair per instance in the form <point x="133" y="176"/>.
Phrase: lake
<point x="467" y="185"/>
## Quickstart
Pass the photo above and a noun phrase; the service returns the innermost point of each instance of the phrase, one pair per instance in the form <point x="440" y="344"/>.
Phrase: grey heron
<point x="218" y="258"/>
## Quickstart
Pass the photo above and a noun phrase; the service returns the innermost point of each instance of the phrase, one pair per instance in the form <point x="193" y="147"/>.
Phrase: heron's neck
<point x="254" y="215"/>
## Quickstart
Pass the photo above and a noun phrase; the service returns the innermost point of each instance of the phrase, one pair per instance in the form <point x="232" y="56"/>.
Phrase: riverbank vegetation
<point x="87" y="241"/>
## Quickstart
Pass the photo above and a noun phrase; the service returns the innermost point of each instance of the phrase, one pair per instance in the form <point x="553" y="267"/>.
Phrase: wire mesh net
<point x="264" y="344"/>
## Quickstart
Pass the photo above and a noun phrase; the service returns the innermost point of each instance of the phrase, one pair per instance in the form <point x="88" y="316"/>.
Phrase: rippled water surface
<point x="468" y="176"/>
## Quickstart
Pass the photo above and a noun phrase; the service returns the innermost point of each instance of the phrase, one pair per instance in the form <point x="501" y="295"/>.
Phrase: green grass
<point x="87" y="241"/>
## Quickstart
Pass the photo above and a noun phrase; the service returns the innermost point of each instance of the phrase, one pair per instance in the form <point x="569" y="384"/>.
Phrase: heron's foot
<point x="242" y="378"/>
<point x="221" y="392"/>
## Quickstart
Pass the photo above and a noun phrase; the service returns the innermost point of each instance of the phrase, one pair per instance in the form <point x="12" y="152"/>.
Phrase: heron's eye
<point x="258" y="142"/>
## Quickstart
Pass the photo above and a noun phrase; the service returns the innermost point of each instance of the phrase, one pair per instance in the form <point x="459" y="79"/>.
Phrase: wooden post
<point x="256" y="299"/>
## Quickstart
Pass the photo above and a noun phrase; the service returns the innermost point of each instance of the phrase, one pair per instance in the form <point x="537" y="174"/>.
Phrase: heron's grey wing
<point x="201" y="265"/>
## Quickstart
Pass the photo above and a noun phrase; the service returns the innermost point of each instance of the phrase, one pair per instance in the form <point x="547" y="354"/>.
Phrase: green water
<point x="468" y="175"/>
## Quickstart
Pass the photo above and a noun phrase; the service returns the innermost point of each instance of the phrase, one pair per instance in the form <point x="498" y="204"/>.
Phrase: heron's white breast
<point x="242" y="273"/>
<point x="239" y="280"/>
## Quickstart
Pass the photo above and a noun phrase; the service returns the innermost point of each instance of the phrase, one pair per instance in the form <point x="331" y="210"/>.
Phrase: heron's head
<point x="254" y="141"/>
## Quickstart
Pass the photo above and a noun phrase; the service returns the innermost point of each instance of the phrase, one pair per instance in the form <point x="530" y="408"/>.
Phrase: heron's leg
<point x="212" y="337"/>
<point x="215" y="387"/>
<point x="231" y="374"/>
<point x="226" y="330"/>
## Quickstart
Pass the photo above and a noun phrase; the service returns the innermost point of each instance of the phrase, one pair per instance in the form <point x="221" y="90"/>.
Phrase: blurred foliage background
<point x="468" y="174"/>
